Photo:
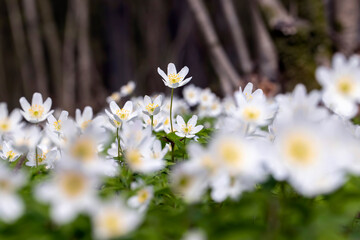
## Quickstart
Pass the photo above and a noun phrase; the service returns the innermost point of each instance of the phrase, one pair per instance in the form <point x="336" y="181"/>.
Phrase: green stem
<point x="152" y="122"/>
<point x="184" y="148"/>
<point x="118" y="140"/>
<point x="171" y="102"/>
<point x="36" y="157"/>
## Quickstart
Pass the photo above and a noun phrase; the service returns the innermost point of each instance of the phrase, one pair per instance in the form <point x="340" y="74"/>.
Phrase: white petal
<point x="171" y="69"/>
<point x="128" y="106"/>
<point x="114" y="107"/>
<point x="184" y="71"/>
<point x="193" y="120"/>
<point x="88" y="113"/>
<point x="47" y="104"/>
<point x="180" y="121"/>
<point x="37" y="99"/>
<point x="24" y="104"/>
<point x="162" y="74"/>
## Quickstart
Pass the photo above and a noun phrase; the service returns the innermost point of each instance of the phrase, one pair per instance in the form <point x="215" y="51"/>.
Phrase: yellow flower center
<point x="57" y="125"/>
<point x="85" y="124"/>
<point x="187" y="128"/>
<point x="174" y="78"/>
<point x="115" y="96"/>
<point x="10" y="154"/>
<point x="143" y="195"/>
<point x="123" y="114"/>
<point x="230" y="153"/>
<point x="5" y="125"/>
<point x="84" y="150"/>
<point x="345" y="85"/>
<point x="72" y="184"/>
<point x="36" y="111"/>
<point x="299" y="149"/>
<point x="111" y="222"/>
<point x="133" y="157"/>
<point x="151" y="107"/>
<point x="251" y="114"/>
<point x="5" y="185"/>
<point x="41" y="157"/>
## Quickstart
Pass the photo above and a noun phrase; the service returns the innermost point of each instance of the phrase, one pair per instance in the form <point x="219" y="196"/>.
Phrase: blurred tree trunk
<point x="119" y="67"/>
<point x="52" y="41"/>
<point x="69" y="74"/>
<point x="84" y="56"/>
<point x="18" y="35"/>
<point x="36" y="49"/>
<point x="3" y="83"/>
<point x="347" y="19"/>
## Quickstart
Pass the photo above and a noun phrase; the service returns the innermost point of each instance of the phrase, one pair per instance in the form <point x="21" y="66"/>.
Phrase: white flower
<point x="9" y="123"/>
<point x="299" y="105"/>
<point x="142" y="198"/>
<point x="206" y="97"/>
<point x="56" y="125"/>
<point x="38" y="111"/>
<point x="115" y="96"/>
<point x="157" y="122"/>
<point x="42" y="156"/>
<point x="188" y="129"/>
<point x="174" y="79"/>
<point x="8" y="152"/>
<point x="191" y="95"/>
<point x="127" y="89"/>
<point x="150" y="107"/>
<point x="309" y="156"/>
<point x="11" y="205"/>
<point x="70" y="191"/>
<point x="113" y="219"/>
<point x="188" y="181"/>
<point x="27" y="138"/>
<point x="85" y="118"/>
<point x="341" y="85"/>
<point x="122" y="114"/>
<point x="194" y="234"/>
<point x="252" y="108"/>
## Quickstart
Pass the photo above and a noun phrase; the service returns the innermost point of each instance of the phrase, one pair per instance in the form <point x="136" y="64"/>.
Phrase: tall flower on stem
<point x="173" y="79"/>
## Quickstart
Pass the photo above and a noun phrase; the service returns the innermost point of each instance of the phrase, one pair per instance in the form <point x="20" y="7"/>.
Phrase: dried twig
<point x="218" y="54"/>
<point x="267" y="56"/>
<point x="238" y="36"/>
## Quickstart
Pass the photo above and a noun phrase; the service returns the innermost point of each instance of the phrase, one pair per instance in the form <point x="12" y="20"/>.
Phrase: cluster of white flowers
<point x="292" y="137"/>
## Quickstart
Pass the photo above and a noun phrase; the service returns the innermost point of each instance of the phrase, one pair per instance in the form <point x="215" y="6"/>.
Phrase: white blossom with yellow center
<point x="70" y="192"/>
<point x="341" y="85"/>
<point x="122" y="114"/>
<point x="189" y="129"/>
<point x="54" y="124"/>
<point x="150" y="107"/>
<point x="38" y="111"/>
<point x="173" y="79"/>
<point x="113" y="219"/>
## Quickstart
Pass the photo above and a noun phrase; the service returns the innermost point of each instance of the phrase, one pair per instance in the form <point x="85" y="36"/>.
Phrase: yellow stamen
<point x="36" y="111"/>
<point x="174" y="78"/>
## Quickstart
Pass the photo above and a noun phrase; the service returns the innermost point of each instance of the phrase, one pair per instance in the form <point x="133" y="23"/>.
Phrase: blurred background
<point x="80" y="51"/>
